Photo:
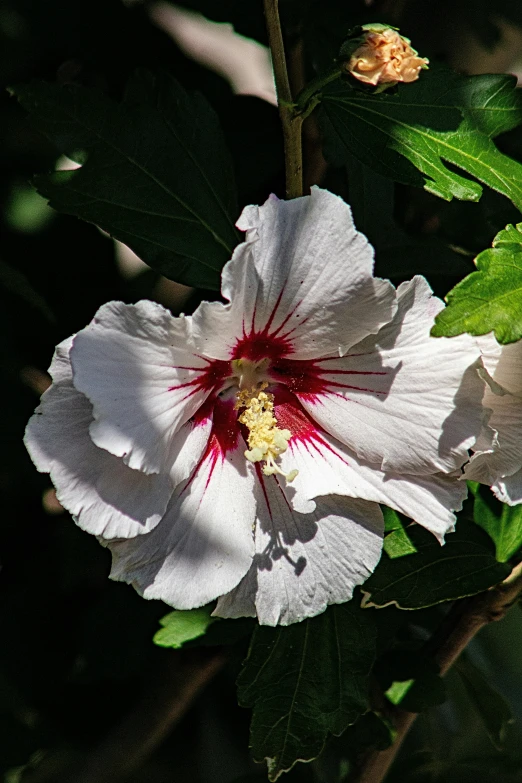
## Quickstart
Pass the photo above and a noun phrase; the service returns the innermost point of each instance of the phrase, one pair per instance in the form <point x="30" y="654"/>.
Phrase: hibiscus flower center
<point x="250" y="374"/>
<point x="266" y="441"/>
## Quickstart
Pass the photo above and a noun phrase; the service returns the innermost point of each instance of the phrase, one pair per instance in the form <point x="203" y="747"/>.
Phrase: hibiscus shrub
<point x="259" y="403"/>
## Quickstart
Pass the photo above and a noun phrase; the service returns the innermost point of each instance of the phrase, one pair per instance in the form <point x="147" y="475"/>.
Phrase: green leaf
<point x="183" y="626"/>
<point x="501" y="522"/>
<point x="398" y="690"/>
<point x="494" y="711"/>
<point x="398" y="254"/>
<point x="489" y="299"/>
<point x="156" y="174"/>
<point x="465" y="565"/>
<point x="441" y="119"/>
<point x="196" y="627"/>
<point x="306" y="681"/>
<point x="392" y="520"/>
<point x="397" y="542"/>
<point x="369" y="731"/>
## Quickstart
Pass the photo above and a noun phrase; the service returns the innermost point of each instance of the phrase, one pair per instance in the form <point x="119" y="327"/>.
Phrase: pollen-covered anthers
<point x="265" y="440"/>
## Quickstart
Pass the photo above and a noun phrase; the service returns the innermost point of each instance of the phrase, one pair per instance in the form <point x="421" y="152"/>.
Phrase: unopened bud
<point x="380" y="56"/>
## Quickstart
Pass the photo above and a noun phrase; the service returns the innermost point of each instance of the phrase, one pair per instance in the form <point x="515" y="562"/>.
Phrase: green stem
<point x="308" y="98"/>
<point x="291" y="122"/>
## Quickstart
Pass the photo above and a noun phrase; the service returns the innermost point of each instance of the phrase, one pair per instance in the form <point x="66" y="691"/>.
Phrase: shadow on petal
<point x="204" y="544"/>
<point x="463" y="425"/>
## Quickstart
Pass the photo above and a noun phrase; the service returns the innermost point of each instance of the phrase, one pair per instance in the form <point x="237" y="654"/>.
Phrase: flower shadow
<point x="464" y="423"/>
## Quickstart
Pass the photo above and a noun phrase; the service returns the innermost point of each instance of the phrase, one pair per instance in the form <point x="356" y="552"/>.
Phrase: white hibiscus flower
<point x="497" y="460"/>
<point x="241" y="453"/>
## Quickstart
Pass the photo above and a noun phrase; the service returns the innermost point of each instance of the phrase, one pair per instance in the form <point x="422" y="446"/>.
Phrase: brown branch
<point x="461" y="624"/>
<point x="139" y="734"/>
<point x="290" y="121"/>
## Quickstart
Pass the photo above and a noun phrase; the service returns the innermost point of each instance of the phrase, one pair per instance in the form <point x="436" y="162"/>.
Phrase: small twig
<point x="308" y="98"/>
<point x="458" y="628"/>
<point x="133" y="741"/>
<point x="290" y="120"/>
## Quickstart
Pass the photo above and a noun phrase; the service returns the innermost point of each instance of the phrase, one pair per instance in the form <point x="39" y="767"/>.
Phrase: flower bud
<point x="381" y="56"/>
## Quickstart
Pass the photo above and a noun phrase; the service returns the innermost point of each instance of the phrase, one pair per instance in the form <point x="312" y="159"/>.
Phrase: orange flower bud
<point x="385" y="57"/>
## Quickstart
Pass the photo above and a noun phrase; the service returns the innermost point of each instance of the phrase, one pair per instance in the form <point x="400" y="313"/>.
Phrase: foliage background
<point x="77" y="666"/>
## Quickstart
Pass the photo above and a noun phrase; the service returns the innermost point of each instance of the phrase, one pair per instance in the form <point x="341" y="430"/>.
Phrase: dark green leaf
<point x="489" y="299"/>
<point x="494" y="711"/>
<point x="156" y="174"/>
<point x="182" y="626"/>
<point x="465" y="565"/>
<point x="369" y="731"/>
<point x="410" y="680"/>
<point x="306" y="681"/>
<point x="399" y="255"/>
<point x="501" y="522"/>
<point x="441" y="119"/>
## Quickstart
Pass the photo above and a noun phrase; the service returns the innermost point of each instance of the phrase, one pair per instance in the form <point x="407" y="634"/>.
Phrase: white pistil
<point x="249" y="373"/>
<point x="266" y="441"/>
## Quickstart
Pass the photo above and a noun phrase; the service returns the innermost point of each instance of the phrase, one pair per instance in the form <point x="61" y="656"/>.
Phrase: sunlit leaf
<point x="396" y="542"/>
<point x="182" y="626"/>
<point x="412" y="136"/>
<point x="501" y="522"/>
<point x="489" y="299"/>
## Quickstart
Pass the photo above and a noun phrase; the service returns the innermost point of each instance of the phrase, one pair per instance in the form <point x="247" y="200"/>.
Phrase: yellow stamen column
<point x="266" y="442"/>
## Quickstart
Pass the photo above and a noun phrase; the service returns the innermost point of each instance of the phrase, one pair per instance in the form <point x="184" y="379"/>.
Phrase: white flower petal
<point x="301" y="283"/>
<point x="501" y="456"/>
<point x="326" y="467"/>
<point x="188" y="445"/>
<point x="304" y="562"/>
<point x="497" y="460"/>
<point x="104" y="496"/>
<point x="509" y="489"/>
<point x="204" y="545"/>
<point x="503" y="363"/>
<point x="135" y="365"/>
<point x="240" y="602"/>
<point x="415" y="405"/>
